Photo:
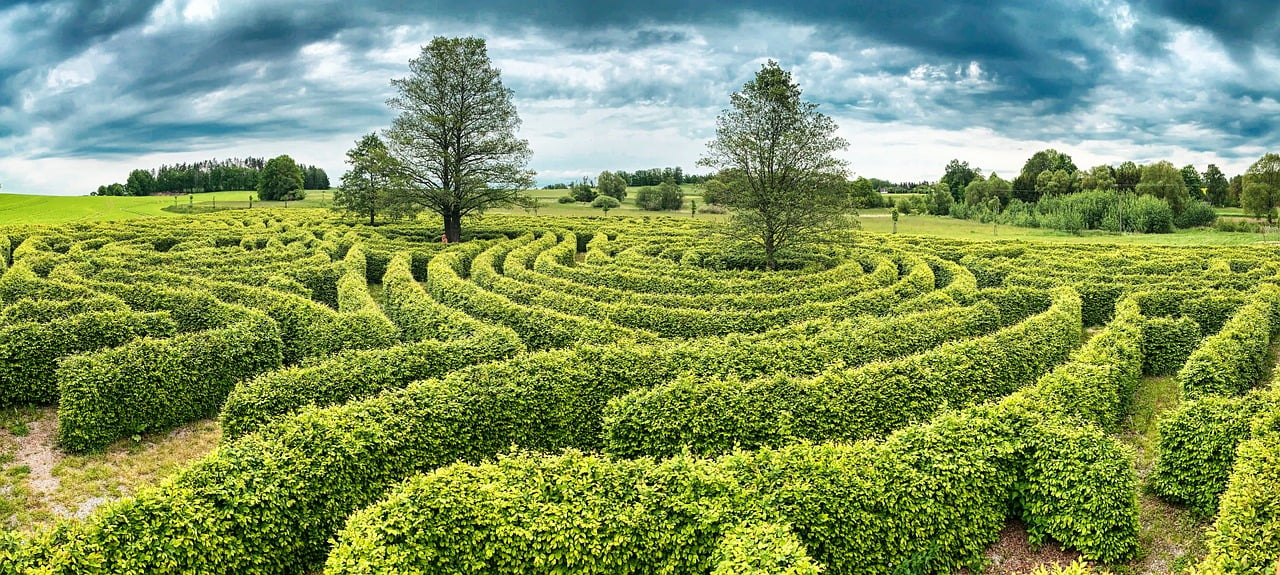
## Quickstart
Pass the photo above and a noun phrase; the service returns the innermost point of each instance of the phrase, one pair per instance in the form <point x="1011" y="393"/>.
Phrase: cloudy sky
<point x="89" y="90"/>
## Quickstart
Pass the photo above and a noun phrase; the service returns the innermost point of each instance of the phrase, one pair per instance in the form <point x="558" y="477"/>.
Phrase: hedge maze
<point x="618" y="396"/>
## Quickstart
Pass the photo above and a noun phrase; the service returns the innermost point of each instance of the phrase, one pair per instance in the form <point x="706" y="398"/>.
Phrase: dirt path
<point x="37" y="451"/>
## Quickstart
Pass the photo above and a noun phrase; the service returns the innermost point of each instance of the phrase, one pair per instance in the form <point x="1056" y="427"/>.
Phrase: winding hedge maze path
<point x="602" y="396"/>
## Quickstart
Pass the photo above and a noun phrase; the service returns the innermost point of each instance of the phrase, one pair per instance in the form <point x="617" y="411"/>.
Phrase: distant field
<point x="880" y="221"/>
<point x="22" y="209"/>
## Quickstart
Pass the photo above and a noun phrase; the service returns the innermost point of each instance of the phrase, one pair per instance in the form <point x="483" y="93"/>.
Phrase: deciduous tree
<point x="612" y="185"/>
<point x="1261" y="192"/>
<point x="374" y="184"/>
<point x="1218" y="187"/>
<point x="1164" y="181"/>
<point x="786" y="186"/>
<point x="456" y="133"/>
<point x="281" y="179"/>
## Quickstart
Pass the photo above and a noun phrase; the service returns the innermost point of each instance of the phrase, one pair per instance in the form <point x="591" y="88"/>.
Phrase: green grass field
<point x="16" y="209"/>
<point x="23" y="209"/>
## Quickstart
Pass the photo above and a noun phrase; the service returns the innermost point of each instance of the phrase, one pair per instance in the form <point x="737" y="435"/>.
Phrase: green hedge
<point x="417" y="315"/>
<point x="43" y="310"/>
<point x="303" y="475"/>
<point x="1167" y="343"/>
<point x="844" y="404"/>
<point x="930" y="498"/>
<point x="156" y="384"/>
<point x="29" y="352"/>
<point x="1245" y="538"/>
<point x="539" y="328"/>
<point x="1197" y="448"/>
<point x="1234" y="360"/>
<point x="356" y="375"/>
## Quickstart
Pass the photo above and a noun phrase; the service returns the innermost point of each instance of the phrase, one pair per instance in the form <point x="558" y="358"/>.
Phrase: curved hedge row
<point x="539" y="328"/>
<point x="156" y="384"/>
<point x="29" y="351"/>
<point x="417" y="315"/>
<point x="303" y="475"/>
<point x="355" y="375"/>
<point x="930" y="497"/>
<point x="842" y="404"/>
<point x="1235" y="359"/>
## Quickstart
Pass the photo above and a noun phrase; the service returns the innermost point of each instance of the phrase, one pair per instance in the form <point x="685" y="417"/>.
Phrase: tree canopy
<point x="1261" y="188"/>
<point x="957" y="177"/>
<point x="374" y="184"/>
<point x="281" y="179"/>
<point x="1164" y="181"/>
<point x="612" y="185"/>
<point x="455" y="135"/>
<point x="777" y="152"/>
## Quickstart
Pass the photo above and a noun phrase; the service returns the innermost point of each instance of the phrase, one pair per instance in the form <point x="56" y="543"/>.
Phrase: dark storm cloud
<point x="1241" y="24"/>
<point x="97" y="78"/>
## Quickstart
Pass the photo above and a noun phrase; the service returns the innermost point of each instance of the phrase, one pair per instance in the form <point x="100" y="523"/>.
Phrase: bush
<point x="605" y="203"/>
<point x="1196" y="215"/>
<point x="1147" y="214"/>
<point x="566" y="200"/>
<point x="712" y="209"/>
<point x="1239" y="226"/>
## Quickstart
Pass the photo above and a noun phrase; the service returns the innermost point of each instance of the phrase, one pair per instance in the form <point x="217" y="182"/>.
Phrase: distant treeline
<point x="206" y="176"/>
<point x="649" y="177"/>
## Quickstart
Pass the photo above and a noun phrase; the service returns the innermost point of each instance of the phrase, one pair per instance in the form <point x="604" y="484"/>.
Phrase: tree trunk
<point x="770" y="263"/>
<point x="453" y="226"/>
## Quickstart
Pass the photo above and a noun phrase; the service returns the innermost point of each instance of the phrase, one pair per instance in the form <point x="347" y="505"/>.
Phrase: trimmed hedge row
<point x="1234" y="360"/>
<point x="1245" y="538"/>
<point x="417" y="315"/>
<point x="156" y="384"/>
<point x="356" y="375"/>
<point x="307" y="328"/>
<point x="1167" y="343"/>
<point x="29" y="351"/>
<point x="715" y="416"/>
<point x="1197" y="448"/>
<point x="43" y="310"/>
<point x="303" y="475"/>
<point x="930" y="498"/>
<point x="539" y="328"/>
<point x="678" y="322"/>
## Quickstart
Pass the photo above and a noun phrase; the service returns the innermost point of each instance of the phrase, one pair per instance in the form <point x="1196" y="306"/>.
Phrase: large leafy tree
<point x="1050" y="160"/>
<point x="612" y="185"/>
<point x="1261" y="191"/>
<point x="1128" y="174"/>
<point x="281" y="179"/>
<point x="1098" y="178"/>
<point x="1218" y="186"/>
<point x="776" y="155"/>
<point x="456" y="133"/>
<point x="957" y="177"/>
<point x="1194" y="183"/>
<point x="140" y="183"/>
<point x="1164" y="181"/>
<point x="374" y="184"/>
